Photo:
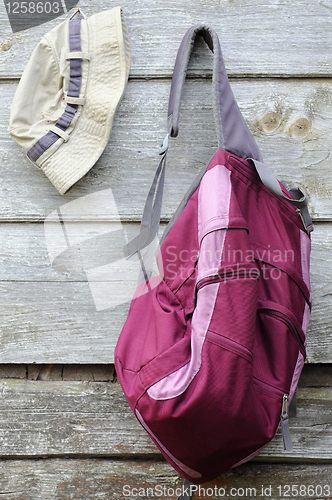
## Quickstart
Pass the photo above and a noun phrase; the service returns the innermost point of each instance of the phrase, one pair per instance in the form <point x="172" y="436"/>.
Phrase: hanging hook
<point x="78" y="11"/>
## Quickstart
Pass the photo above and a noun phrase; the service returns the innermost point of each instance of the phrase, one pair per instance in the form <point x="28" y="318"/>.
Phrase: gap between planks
<point x="207" y="75"/>
<point x="59" y="372"/>
<point x="313" y="375"/>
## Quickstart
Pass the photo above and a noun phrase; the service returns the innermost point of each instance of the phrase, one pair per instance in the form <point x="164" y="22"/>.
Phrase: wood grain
<point x="54" y="314"/>
<point x="81" y="419"/>
<point x="289" y="119"/>
<point x="102" y="479"/>
<point x="56" y="322"/>
<point x="258" y="37"/>
<point x="59" y="324"/>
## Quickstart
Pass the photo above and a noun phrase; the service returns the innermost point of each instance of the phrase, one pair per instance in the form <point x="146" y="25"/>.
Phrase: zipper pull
<point x="286" y="437"/>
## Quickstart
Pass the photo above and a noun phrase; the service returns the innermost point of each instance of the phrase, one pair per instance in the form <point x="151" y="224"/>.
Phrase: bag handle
<point x="232" y="132"/>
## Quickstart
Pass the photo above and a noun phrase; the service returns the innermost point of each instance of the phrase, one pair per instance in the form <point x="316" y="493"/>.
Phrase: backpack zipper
<point x="285" y="431"/>
<point x="282" y="317"/>
<point x="286" y="437"/>
<point x="231" y="274"/>
<point x="229" y="345"/>
<point x="216" y="278"/>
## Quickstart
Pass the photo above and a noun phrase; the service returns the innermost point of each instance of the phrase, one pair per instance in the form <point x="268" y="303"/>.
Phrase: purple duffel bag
<point x="213" y="346"/>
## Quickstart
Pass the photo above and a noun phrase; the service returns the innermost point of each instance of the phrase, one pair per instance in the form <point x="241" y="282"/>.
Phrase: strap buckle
<point x="305" y="218"/>
<point x="164" y="146"/>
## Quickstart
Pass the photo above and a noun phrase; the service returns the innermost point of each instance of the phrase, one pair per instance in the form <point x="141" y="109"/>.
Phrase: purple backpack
<point x="213" y="346"/>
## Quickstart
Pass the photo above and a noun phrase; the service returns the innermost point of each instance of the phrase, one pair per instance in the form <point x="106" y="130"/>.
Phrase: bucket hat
<point x="63" y="109"/>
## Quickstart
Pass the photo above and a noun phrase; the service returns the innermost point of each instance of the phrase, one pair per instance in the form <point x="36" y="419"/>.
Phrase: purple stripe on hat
<point x="65" y="119"/>
<point x="40" y="147"/>
<point x="75" y="64"/>
<point x="75" y="35"/>
<point x="73" y="91"/>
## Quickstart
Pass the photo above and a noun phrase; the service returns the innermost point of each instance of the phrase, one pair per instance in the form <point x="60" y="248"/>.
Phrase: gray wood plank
<point x="258" y="37"/>
<point x="290" y="120"/>
<point x="57" y="322"/>
<point x="82" y="419"/>
<point x="312" y="403"/>
<point x="59" y="314"/>
<point x="321" y="276"/>
<point x="102" y="479"/>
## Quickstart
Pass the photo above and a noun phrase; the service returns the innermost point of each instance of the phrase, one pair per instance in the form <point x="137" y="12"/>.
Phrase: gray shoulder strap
<point x="299" y="199"/>
<point x="232" y="131"/>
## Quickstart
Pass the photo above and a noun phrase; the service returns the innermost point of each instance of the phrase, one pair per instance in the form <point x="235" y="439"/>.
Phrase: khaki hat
<point x="64" y="106"/>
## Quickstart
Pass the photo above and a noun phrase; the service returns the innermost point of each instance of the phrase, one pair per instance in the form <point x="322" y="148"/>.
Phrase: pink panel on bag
<point x="305" y="265"/>
<point x="177" y="382"/>
<point x="212" y="208"/>
<point x="296" y="375"/>
<point x="249" y="457"/>
<point x="182" y="466"/>
<point x="305" y="257"/>
<point x="213" y="200"/>
<point x="210" y="253"/>
<point x="213" y="219"/>
<point x="306" y="317"/>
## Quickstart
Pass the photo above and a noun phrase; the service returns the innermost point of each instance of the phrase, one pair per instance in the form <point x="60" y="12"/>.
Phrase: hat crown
<point x="71" y="88"/>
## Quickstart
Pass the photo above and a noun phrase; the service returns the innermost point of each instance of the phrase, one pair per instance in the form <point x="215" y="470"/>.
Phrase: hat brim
<point x="108" y="70"/>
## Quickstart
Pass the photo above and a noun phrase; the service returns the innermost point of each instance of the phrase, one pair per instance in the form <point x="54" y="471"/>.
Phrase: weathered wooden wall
<point x="278" y="57"/>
